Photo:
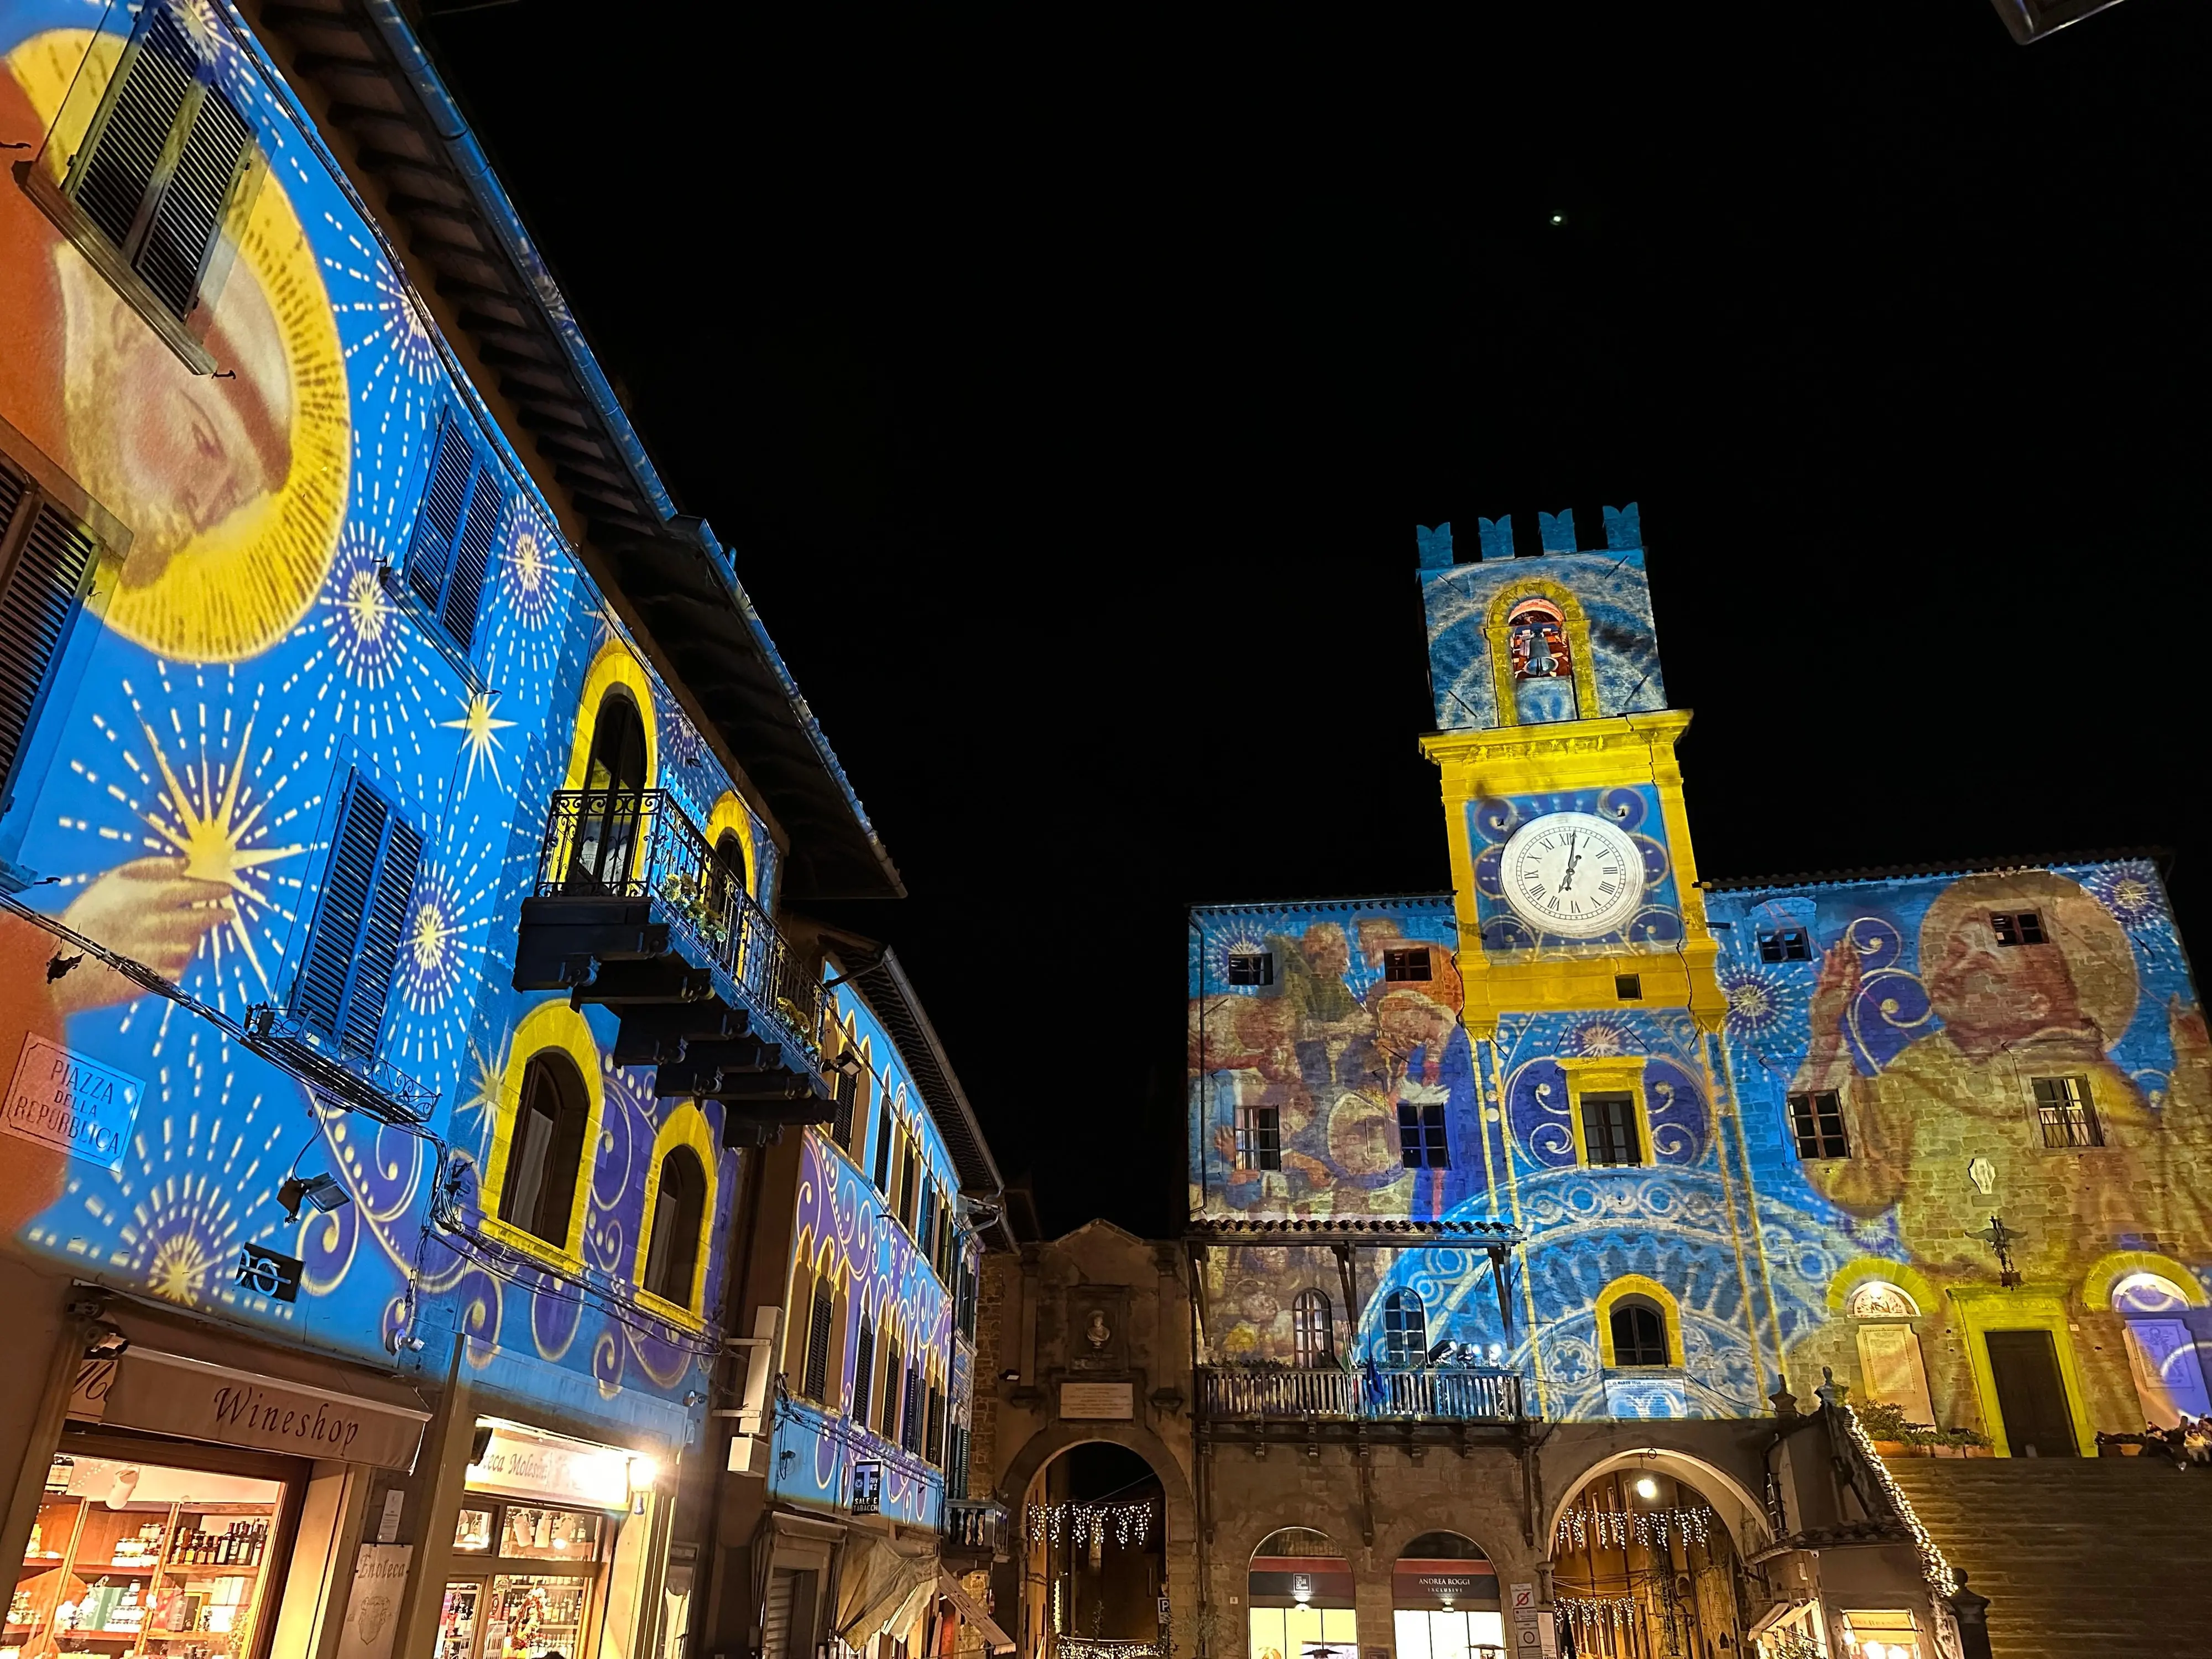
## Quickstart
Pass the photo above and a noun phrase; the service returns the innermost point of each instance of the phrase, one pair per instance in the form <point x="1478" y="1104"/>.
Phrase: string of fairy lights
<point x="1128" y="1524"/>
<point x="1593" y="1615"/>
<point x="1613" y="1528"/>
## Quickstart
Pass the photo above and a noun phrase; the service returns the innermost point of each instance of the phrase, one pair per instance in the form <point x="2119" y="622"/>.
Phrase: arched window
<point x="1445" y="1601"/>
<point x="1639" y="1334"/>
<point x="614" y="788"/>
<point x="680" y="1213"/>
<point x="1312" y="1338"/>
<point x="2162" y="1349"/>
<point x="821" y="1316"/>
<point x="1405" y="1329"/>
<point x="545" y="1149"/>
<point x="1299" y="1595"/>
<point x="1891" y="1368"/>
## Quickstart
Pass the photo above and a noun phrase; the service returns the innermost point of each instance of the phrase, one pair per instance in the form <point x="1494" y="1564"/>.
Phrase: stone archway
<point x="1649" y="1550"/>
<point x="1012" y="1588"/>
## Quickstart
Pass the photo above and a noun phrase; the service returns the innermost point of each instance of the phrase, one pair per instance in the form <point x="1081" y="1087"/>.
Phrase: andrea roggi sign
<point x="168" y="1394"/>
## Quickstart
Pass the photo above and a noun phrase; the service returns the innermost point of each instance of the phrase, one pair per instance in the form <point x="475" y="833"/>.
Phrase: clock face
<point x="1572" y="873"/>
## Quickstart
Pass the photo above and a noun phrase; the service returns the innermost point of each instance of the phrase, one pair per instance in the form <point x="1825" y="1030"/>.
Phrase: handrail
<point x="1455" y="1394"/>
<point x="641" y="844"/>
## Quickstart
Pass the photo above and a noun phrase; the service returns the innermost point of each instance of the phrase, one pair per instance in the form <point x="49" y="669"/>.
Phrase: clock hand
<point x="1574" y="857"/>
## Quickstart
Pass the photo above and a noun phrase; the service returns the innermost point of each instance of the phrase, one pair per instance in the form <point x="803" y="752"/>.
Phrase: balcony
<point x="632" y="911"/>
<point x="1452" y="1394"/>
<point x="976" y="1530"/>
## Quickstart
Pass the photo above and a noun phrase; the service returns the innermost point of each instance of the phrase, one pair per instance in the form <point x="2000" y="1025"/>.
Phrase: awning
<point x="876" y="1582"/>
<point x="195" y="1400"/>
<point x="972" y="1614"/>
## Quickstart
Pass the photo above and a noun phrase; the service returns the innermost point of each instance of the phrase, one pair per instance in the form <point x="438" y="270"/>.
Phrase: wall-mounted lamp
<point x="644" y="1471"/>
<point x="326" y="1193"/>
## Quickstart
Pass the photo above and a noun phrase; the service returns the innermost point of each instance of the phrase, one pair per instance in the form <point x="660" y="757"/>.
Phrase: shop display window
<point x="534" y="1533"/>
<point x="527" y="1614"/>
<point x="133" y="1558"/>
<point x="456" y="1621"/>
<point x="473" y="1532"/>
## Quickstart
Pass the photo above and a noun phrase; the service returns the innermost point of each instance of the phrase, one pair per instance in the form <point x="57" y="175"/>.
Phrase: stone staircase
<point x="2110" y="1556"/>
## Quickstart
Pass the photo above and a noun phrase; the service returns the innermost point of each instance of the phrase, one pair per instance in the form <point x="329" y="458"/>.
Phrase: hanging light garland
<point x="1128" y="1523"/>
<point x="1934" y="1567"/>
<point x="1613" y="1529"/>
<point x="1081" y="1647"/>
<point x="1595" y="1616"/>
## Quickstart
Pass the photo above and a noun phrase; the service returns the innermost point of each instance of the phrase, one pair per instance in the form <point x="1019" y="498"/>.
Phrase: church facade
<point x="1567" y="1243"/>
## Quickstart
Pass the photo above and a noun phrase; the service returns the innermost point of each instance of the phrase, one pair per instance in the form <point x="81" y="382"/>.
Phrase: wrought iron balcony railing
<point x="641" y="844"/>
<point x="975" y="1524"/>
<point x="1455" y="1394"/>
<point x="360" y="1081"/>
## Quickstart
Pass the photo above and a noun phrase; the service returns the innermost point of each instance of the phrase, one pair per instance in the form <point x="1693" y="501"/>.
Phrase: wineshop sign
<point x="72" y="1102"/>
<point x="168" y="1394"/>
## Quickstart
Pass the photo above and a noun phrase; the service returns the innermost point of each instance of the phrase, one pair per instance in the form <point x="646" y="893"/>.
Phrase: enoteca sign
<point x="72" y="1102"/>
<point x="168" y="1394"/>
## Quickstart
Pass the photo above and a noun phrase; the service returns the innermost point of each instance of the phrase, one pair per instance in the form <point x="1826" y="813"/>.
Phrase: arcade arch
<point x="1647" y="1554"/>
<point x="1092" y="1531"/>
<point x="1298" y="1597"/>
<point x="1444" y="1600"/>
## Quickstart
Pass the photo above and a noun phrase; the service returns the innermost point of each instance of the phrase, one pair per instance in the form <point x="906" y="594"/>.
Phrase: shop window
<point x="454" y="529"/>
<point x="1251" y="967"/>
<point x="1259" y="1138"/>
<point x="1610" y="1134"/>
<point x="45" y="562"/>
<point x="120" y="1550"/>
<point x="821" y="1316"/>
<point x="2066" y="1114"/>
<point x="1405" y="1329"/>
<point x="545" y="1149"/>
<point x="1299" y="1599"/>
<point x="1406" y="965"/>
<point x="864" y="1374"/>
<point x="2015" y="928"/>
<point x="1817" y="1120"/>
<point x="346" y="969"/>
<point x="613" y="801"/>
<point x="1885" y="1633"/>
<point x="680" y="1213"/>
<point x="1639" y="1334"/>
<point x="1313" y="1335"/>
<point x="1445" y="1601"/>
<point x="1784" y="944"/>
<point x="1421" y="1142"/>
<point x="166" y="153"/>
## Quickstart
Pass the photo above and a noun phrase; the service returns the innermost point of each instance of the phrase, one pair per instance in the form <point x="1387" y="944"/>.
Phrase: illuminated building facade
<point x="401" y="807"/>
<point x="1511" y="1206"/>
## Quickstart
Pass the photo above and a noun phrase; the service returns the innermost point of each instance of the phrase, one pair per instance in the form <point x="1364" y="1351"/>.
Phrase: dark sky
<point x="1069" y="392"/>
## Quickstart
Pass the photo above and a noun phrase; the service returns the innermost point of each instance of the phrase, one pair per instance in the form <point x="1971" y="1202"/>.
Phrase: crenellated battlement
<point x="1556" y="532"/>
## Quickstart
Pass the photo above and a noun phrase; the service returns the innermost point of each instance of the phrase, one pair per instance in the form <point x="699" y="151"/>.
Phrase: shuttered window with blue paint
<point x="345" y="975"/>
<point x="454" y="530"/>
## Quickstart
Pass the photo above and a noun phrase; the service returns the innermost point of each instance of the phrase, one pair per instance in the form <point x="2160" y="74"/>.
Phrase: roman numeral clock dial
<point x="1572" y="874"/>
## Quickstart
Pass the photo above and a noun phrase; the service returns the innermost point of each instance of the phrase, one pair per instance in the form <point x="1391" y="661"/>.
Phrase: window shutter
<point x="43" y="584"/>
<point x="816" y="1385"/>
<point x="189" y="212"/>
<point x="465" y="585"/>
<point x="435" y="525"/>
<point x="321" y="998"/>
<point x="355" y="946"/>
<point x="864" y="1373"/>
<point x="380" y="941"/>
<point x="128" y="151"/>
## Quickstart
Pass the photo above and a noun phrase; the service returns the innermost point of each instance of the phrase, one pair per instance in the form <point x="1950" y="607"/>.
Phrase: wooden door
<point x="2031" y="1395"/>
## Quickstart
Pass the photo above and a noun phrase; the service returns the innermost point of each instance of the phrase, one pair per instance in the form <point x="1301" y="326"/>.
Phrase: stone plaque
<point x="1098" y="1401"/>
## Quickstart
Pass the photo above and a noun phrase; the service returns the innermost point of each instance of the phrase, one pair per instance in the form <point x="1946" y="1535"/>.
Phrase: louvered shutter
<point x="864" y="1373"/>
<point x="465" y="585"/>
<point x="320" y="997"/>
<point x="189" y="213"/>
<point x="127" y="152"/>
<point x="816" y="1385"/>
<point x="43" y="583"/>
<point x="440" y="520"/>
<point x="380" y="942"/>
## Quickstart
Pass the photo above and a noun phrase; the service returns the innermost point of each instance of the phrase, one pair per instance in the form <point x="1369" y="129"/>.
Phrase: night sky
<point x="1069" y="392"/>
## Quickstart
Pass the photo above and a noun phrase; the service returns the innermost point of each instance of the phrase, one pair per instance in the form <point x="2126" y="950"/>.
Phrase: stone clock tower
<point x="1574" y="882"/>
